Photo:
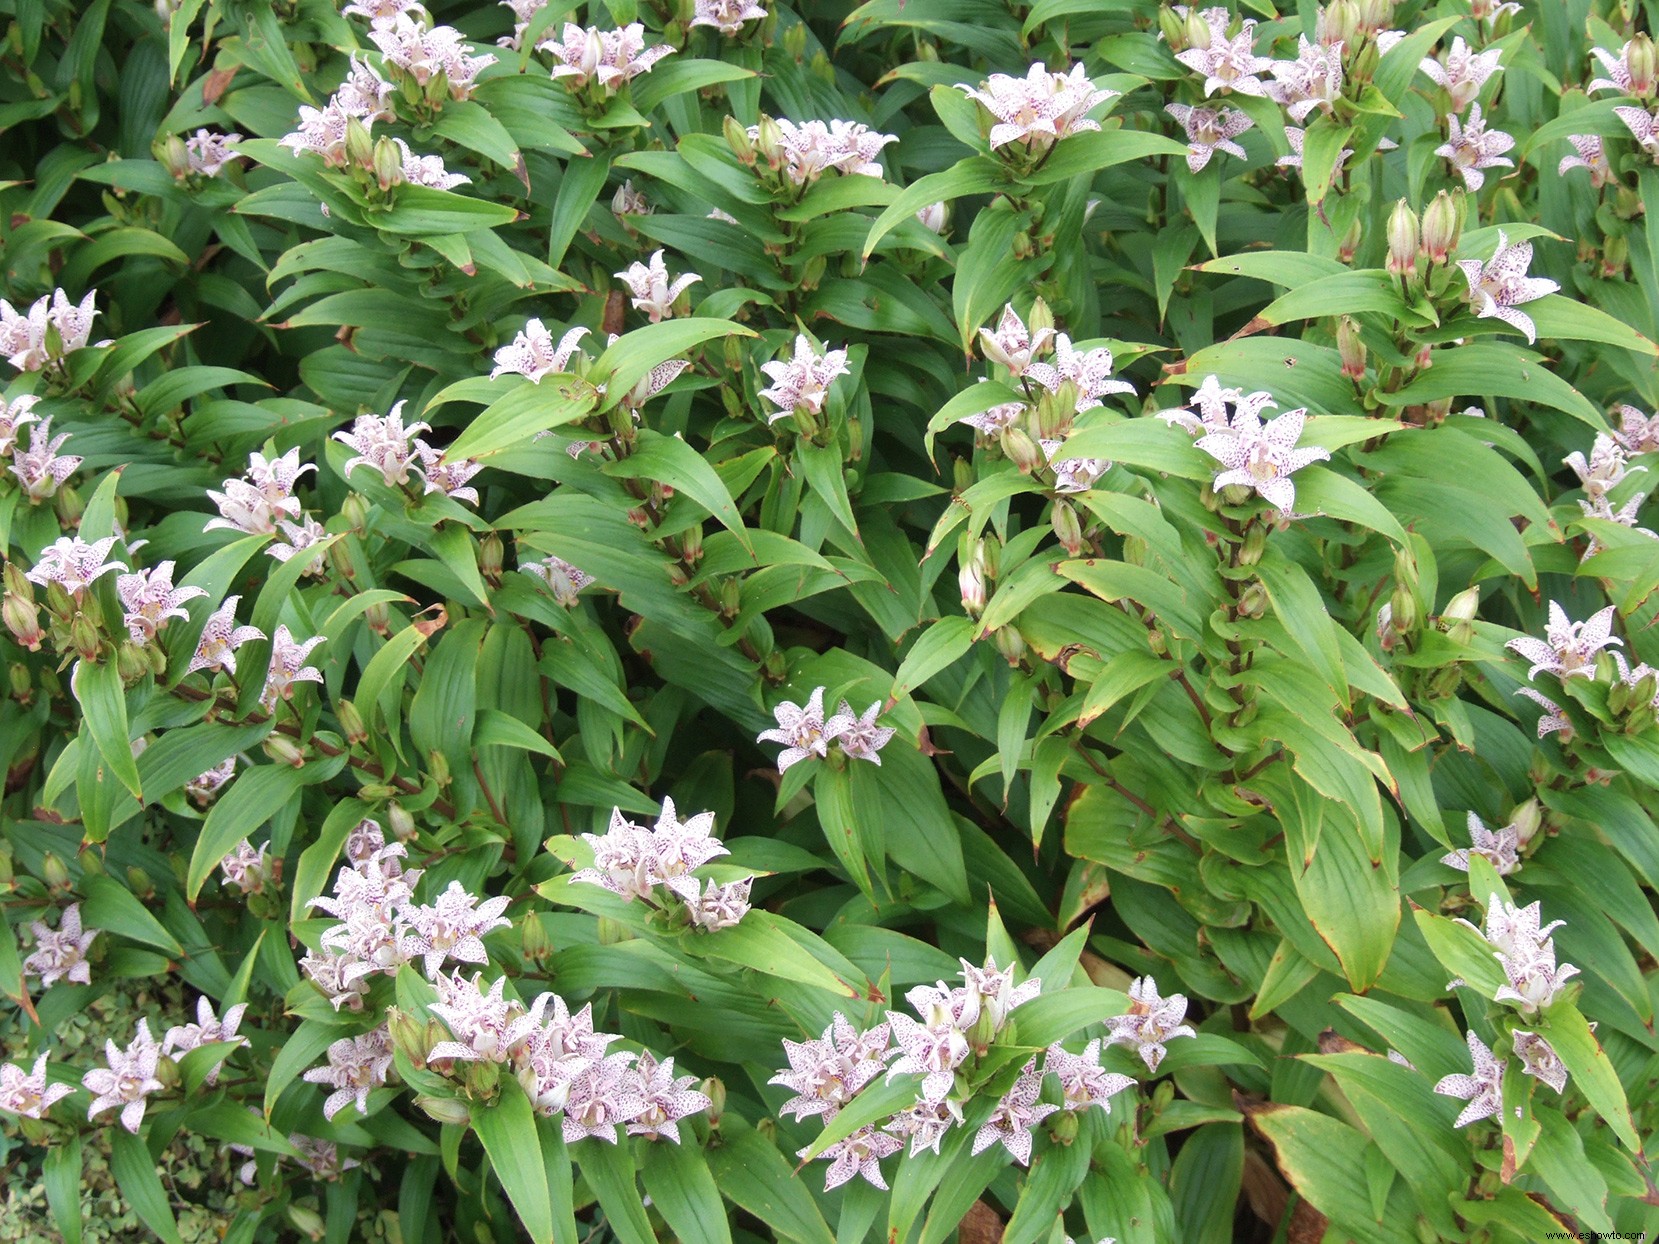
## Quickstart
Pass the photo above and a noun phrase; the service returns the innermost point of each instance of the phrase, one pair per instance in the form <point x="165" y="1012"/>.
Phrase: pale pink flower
<point x="996" y="991"/>
<point x="40" y="469"/>
<point x="1464" y="71"/>
<point x="295" y="539"/>
<point x="1150" y="1022"/>
<point x="1228" y="64"/>
<point x="378" y="11"/>
<point x="1638" y="433"/>
<point x="209" y="1029"/>
<point x="1296" y="138"/>
<point x="802" y="382"/>
<point x="1089" y="370"/>
<point x="451" y="927"/>
<point x="802" y="730"/>
<point x="26" y="1094"/>
<point x="1539" y="1059"/>
<point x="1313" y="80"/>
<point x="1483" y="1090"/>
<point x="1625" y="516"/>
<point x="1472" y="148"/>
<point x="602" y="1095"/>
<point x="384" y="444"/>
<point x="245" y="866"/>
<point x="60" y="954"/>
<point x="288" y="667"/>
<point x="128" y="1080"/>
<point x="611" y="58"/>
<point x="1015" y="1115"/>
<point x="1590" y="155"/>
<point x="1554" y="718"/>
<point x="1643" y="126"/>
<point x="533" y="354"/>
<point x="263" y="497"/>
<point x="52" y="328"/>
<point x="410" y="47"/>
<point x="1041" y="108"/>
<point x="828" y="1072"/>
<point x="858" y="1154"/>
<point x="1083" y="1081"/>
<point x="1568" y="648"/>
<point x="861" y="738"/>
<point x="720" y="906"/>
<point x="1619" y="78"/>
<point x="925" y="1123"/>
<point x="15" y="414"/>
<point x="932" y="1051"/>
<point x="221" y="637"/>
<point x="1499" y="847"/>
<point x="727" y="16"/>
<point x="563" y="580"/>
<point x="322" y="1158"/>
<point x="1501" y="285"/>
<point x="1605" y="469"/>
<point x="667" y="1099"/>
<point x="990" y="423"/>
<point x="208" y="153"/>
<point x="356" y="1067"/>
<point x="1212" y="401"/>
<point x="1261" y="456"/>
<point x="481" y="1021"/>
<point x="452" y="479"/>
<point x="205" y="786"/>
<point x="73" y="564"/>
<point x="428" y="170"/>
<point x="150" y="599"/>
<point x="1012" y="344"/>
<point x="812" y="148"/>
<point x="652" y="292"/>
<point x="1210" y="130"/>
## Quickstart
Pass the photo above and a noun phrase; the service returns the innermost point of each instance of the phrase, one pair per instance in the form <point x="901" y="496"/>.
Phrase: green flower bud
<point x="769" y="142"/>
<point x="1339" y="23"/>
<point x="1021" y="450"/>
<point x="1404" y="240"/>
<point x="1064" y="1128"/>
<point x="535" y="943"/>
<point x="22" y="618"/>
<point x="54" y="872"/>
<point x="437" y="764"/>
<point x="1644" y="66"/>
<point x="359" y="144"/>
<point x="138" y="881"/>
<point x="351" y="723"/>
<point x="737" y="138"/>
<point x="68" y="504"/>
<point x="715" y="1090"/>
<point x="355" y="510"/>
<point x="1011" y="644"/>
<point x="1352" y="349"/>
<point x="400" y="822"/>
<point x="1063" y="518"/>
<point x="308" y="1222"/>
<point x="85" y="637"/>
<point x="613" y="932"/>
<point x="1405" y="613"/>
<point x="1441" y="228"/>
<point x="387" y="164"/>
<point x="283" y="750"/>
<point x="444" y="1109"/>
<point x="1173" y="28"/>
<point x="22" y="686"/>
<point x="1528" y="819"/>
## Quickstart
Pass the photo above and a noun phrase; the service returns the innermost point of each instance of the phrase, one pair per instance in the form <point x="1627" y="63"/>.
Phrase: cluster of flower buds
<point x="397" y="452"/>
<point x="558" y="1058"/>
<point x="658" y="866"/>
<point x="382" y="927"/>
<point x="804" y="731"/>
<point x="791" y="156"/>
<point x="946" y="1044"/>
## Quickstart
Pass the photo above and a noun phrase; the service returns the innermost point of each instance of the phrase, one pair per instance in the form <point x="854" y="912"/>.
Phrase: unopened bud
<point x="1440" y="230"/>
<point x="1338" y="23"/>
<point x="1173" y="27"/>
<point x="54" y="872"/>
<point x="1023" y="247"/>
<point x="714" y="1089"/>
<point x="400" y="822"/>
<point x="1064" y="1130"/>
<point x="283" y="750"/>
<point x="359" y="144"/>
<point x="812" y="274"/>
<point x="1063" y="518"/>
<point x="69" y="506"/>
<point x="175" y="155"/>
<point x="970" y="579"/>
<point x="1404" y="612"/>
<point x="308" y="1222"/>
<point x="737" y="138"/>
<point x="355" y="510"/>
<point x="1463" y="607"/>
<point x="1527" y="820"/>
<point x="83" y="634"/>
<point x="1252" y="602"/>
<point x="1387" y="636"/>
<point x="1011" y="644"/>
<point x="138" y="881"/>
<point x="612" y="932"/>
<point x="377" y="616"/>
<point x="22" y="618"/>
<point x="1615" y="256"/>
<point x="535" y="943"/>
<point x="1041" y="317"/>
<point x="1255" y="544"/>
<point x="1404" y="240"/>
<point x="1644" y="66"/>
<point x="1021" y="450"/>
<point x="731" y="597"/>
<point x="769" y="142"/>
<point x="934" y="217"/>
<point x="794" y="41"/>
<point x="1162" y="1096"/>
<point x="351" y="723"/>
<point x="131" y="662"/>
<point x="1196" y="32"/>
<point x="22" y="686"/>
<point x="1350" y="241"/>
<point x="443" y="1109"/>
<point x="387" y="164"/>
<point x="92" y="864"/>
<point x="1375" y="15"/>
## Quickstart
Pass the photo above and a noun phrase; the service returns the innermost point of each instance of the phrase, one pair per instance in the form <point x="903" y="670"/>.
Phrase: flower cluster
<point x="383" y="443"/>
<point x="803" y="153"/>
<point x="804" y="732"/>
<point x="411" y="49"/>
<point x="52" y="328"/>
<point x="606" y="59"/>
<point x="727" y="16"/>
<point x="40" y="469"/>
<point x="1255" y="457"/>
<point x="658" y="865"/>
<point x="651" y="289"/>
<point x="1526" y="953"/>
<point x="1039" y="109"/>
<point x="800" y="384"/>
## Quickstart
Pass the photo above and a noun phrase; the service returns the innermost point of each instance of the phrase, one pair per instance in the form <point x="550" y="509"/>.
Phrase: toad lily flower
<point x="807" y="151"/>
<point x="610" y="58"/>
<point x="356" y="1067"/>
<point x="384" y="444"/>
<point x="40" y="469"/>
<point x="803" y="730"/>
<point x="1464" y="72"/>
<point x="1472" y="149"/>
<point x="1039" y="109"/>
<point x="533" y="354"/>
<point x="410" y="48"/>
<point x="1539" y="1059"/>
<point x="858" y="1154"/>
<point x="563" y="580"/>
<point x="1568" y="648"/>
<point x="1620" y="76"/>
<point x="1261" y="457"/>
<point x="802" y="382"/>
<point x="1499" y="847"/>
<point x="667" y="1099"/>
<point x="1150" y="1023"/>
<point x="288" y="667"/>
<point x="652" y="292"/>
<point x="1015" y="1115"/>
<point x="1012" y="344"/>
<point x="1228" y="64"/>
<point x="52" y="328"/>
<point x="221" y="637"/>
<point x="14" y="415"/>
<point x="60" y="954"/>
<point x="1526" y="952"/>
<point x="727" y="16"/>
<point x="1643" y="125"/>
<point x="1209" y="130"/>
<point x="1638" y="432"/>
<point x="1083" y="1081"/>
<point x="1483" y="1090"/>
<point x="1606" y="467"/>
<point x="451" y="927"/>
<point x="1313" y="80"/>
<point x="209" y="1029"/>
<point x="150" y="599"/>
<point x="73" y="564"/>
<point x="128" y="1080"/>
<point x="1501" y="285"/>
<point x="26" y="1094"/>
<point x="1591" y="155"/>
<point x="827" y="1073"/>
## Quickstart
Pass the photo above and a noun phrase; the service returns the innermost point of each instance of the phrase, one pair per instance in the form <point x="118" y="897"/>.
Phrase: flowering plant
<point x="732" y="620"/>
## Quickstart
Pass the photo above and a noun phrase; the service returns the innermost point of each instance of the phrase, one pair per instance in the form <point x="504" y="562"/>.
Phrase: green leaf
<point x="753" y="1175"/>
<point x="1591" y="1070"/>
<point x="420" y="210"/>
<point x="633" y="355"/>
<point x="579" y="189"/>
<point x="609" y="1170"/>
<point x="975" y="175"/>
<point x="61" y="1177"/>
<point x="1090" y="152"/>
<point x="507" y="1129"/>
<point x="770" y="944"/>
<point x="678" y="1181"/>
<point x="669" y="460"/>
<point x="528" y="408"/>
<point x="385" y="671"/>
<point x="937" y="648"/>
<point x="109" y="905"/>
<point x="254" y="797"/>
<point x="104" y="709"/>
<point x="135" y="1174"/>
